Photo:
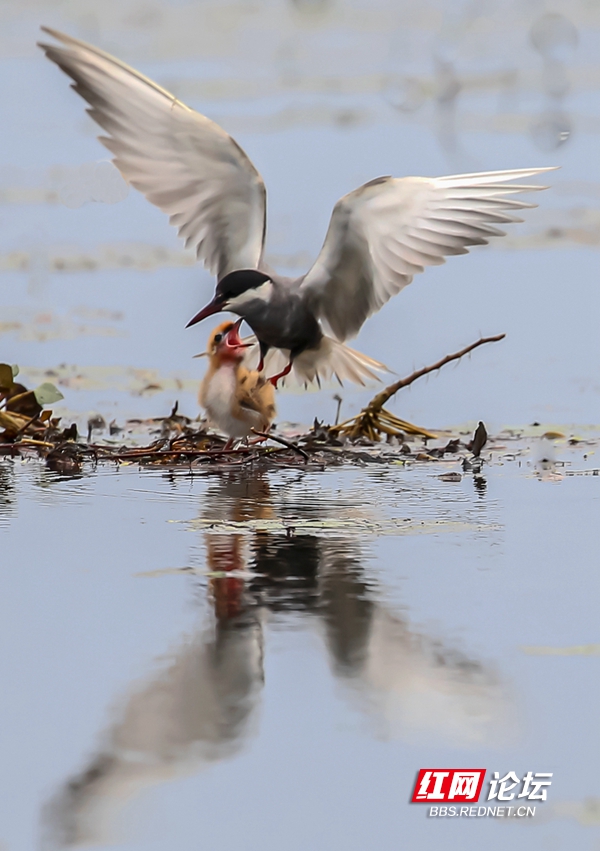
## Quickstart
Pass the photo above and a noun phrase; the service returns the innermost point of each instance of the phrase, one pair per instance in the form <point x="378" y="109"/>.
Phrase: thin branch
<point x="283" y="442"/>
<point x="27" y="424"/>
<point x="174" y="453"/>
<point x="379" y="401"/>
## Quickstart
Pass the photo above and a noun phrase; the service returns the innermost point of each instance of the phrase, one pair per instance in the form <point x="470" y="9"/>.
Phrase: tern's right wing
<point x="181" y="161"/>
<point x="386" y="231"/>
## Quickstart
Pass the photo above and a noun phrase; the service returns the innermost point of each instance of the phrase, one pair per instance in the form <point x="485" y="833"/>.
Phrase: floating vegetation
<point x="180" y="442"/>
<point x="21" y="410"/>
<point x="29" y="429"/>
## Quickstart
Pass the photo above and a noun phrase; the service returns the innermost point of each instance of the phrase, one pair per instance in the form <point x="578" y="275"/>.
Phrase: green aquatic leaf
<point x="47" y="394"/>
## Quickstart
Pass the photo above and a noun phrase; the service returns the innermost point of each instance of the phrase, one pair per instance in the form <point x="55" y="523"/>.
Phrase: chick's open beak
<point x="215" y="306"/>
<point x="233" y="339"/>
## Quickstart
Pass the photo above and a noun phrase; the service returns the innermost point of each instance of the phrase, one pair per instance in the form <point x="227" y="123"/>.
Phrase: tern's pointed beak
<point x="215" y="306"/>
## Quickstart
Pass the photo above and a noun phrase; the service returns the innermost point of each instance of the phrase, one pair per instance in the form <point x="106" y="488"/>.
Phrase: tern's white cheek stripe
<point x="262" y="293"/>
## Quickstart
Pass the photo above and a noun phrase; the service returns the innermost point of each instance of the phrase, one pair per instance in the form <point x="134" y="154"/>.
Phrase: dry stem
<point x="374" y="419"/>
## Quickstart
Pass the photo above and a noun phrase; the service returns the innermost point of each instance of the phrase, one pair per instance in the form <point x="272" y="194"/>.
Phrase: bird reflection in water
<point x="199" y="708"/>
<point x="195" y="710"/>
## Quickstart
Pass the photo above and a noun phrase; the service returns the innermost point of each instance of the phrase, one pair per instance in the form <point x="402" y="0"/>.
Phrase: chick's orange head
<point x="225" y="342"/>
<point x="217" y="336"/>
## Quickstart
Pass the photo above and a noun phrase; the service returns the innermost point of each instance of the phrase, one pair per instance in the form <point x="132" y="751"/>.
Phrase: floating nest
<point x="29" y="429"/>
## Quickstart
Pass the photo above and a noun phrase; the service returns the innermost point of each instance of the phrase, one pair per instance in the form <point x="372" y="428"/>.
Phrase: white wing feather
<point x="330" y="360"/>
<point x="388" y="230"/>
<point x="181" y="161"/>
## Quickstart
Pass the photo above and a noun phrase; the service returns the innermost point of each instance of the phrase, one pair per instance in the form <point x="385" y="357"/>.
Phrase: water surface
<point x="266" y="660"/>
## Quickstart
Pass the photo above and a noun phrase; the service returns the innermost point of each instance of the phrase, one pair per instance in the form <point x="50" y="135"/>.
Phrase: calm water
<point x="265" y="662"/>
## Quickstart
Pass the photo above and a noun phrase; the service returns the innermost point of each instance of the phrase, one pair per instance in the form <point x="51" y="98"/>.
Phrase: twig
<point x="283" y="442"/>
<point x="30" y="441"/>
<point x="130" y="455"/>
<point x="27" y="424"/>
<point x="379" y="401"/>
<point x="9" y="448"/>
<point x="374" y="419"/>
<point x="337" y="398"/>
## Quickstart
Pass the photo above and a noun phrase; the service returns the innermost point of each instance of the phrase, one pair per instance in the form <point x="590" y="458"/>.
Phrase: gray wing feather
<point x="181" y="161"/>
<point x="388" y="230"/>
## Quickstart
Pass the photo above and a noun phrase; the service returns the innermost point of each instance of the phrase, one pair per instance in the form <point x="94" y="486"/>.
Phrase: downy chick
<point x="236" y="399"/>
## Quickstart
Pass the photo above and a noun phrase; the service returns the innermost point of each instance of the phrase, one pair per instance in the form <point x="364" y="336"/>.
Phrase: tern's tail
<point x="331" y="360"/>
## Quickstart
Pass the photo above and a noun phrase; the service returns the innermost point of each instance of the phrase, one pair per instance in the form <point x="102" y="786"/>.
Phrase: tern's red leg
<point x="285" y="372"/>
<point x="263" y="353"/>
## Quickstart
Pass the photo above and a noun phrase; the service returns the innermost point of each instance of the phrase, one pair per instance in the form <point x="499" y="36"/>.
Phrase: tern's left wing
<point x="386" y="231"/>
<point x="184" y="163"/>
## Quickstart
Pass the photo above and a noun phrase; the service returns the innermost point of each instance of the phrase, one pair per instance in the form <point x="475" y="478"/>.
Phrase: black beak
<point x="215" y="306"/>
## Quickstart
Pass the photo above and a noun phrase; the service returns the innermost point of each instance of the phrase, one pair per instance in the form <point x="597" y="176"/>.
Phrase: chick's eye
<point x="218" y="338"/>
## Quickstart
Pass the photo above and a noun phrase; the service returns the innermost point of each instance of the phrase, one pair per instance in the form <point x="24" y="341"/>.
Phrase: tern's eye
<point x="218" y="338"/>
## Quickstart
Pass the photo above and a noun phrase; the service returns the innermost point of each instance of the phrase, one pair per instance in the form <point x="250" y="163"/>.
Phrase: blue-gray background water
<point x="283" y="691"/>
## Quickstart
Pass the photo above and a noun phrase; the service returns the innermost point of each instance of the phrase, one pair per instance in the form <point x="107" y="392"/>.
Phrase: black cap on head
<point x="239" y="281"/>
<point x="232" y="285"/>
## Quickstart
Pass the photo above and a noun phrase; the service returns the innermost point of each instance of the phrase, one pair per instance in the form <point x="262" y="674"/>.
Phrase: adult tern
<point x="380" y="235"/>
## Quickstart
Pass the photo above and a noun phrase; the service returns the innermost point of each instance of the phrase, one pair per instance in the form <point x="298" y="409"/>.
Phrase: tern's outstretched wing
<point x="181" y="161"/>
<point x="386" y="231"/>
